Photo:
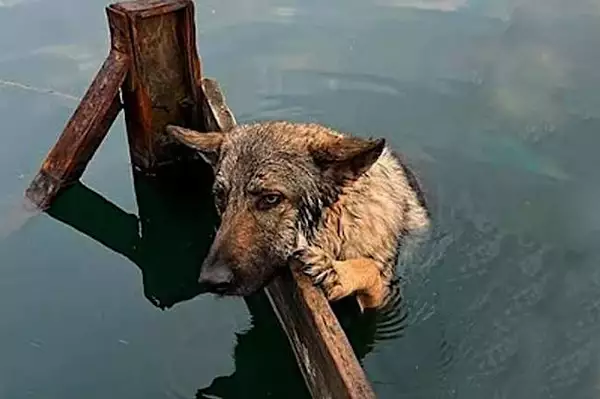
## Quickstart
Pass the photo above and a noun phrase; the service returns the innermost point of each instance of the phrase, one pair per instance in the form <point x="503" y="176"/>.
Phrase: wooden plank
<point x="322" y="350"/>
<point x="163" y="84"/>
<point x="82" y="134"/>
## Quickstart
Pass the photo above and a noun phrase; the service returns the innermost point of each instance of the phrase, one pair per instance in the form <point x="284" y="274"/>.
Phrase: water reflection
<point x="169" y="238"/>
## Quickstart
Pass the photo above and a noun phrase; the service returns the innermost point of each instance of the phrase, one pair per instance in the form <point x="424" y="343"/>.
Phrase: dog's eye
<point x="270" y="200"/>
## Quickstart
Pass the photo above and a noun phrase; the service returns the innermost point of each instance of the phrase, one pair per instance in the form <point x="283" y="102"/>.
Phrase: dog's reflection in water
<point x="168" y="241"/>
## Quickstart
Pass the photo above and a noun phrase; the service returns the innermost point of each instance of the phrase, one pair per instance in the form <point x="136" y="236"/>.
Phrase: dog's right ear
<point x="207" y="144"/>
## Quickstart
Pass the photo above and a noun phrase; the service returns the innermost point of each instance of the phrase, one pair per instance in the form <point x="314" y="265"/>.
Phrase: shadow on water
<point x="168" y="240"/>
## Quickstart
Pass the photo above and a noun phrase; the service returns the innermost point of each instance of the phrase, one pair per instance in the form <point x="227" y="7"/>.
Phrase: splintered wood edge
<point x="321" y="348"/>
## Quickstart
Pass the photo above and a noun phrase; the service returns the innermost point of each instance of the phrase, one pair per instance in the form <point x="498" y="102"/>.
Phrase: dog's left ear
<point x="207" y="144"/>
<point x="346" y="158"/>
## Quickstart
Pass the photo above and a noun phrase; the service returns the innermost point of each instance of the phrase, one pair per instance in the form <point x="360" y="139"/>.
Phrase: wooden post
<point x="163" y="82"/>
<point x="153" y="60"/>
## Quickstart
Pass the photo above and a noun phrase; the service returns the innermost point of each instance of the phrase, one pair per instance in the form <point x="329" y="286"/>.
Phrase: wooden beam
<point x="322" y="350"/>
<point x="163" y="83"/>
<point x="82" y="134"/>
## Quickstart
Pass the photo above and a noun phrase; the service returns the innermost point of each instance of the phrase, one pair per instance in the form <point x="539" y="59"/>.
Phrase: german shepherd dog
<point x="340" y="205"/>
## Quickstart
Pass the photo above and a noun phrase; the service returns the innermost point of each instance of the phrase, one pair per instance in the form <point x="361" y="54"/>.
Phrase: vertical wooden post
<point x="162" y="85"/>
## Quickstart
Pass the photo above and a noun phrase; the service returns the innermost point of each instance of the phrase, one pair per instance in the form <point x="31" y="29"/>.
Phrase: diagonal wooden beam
<point x="83" y="133"/>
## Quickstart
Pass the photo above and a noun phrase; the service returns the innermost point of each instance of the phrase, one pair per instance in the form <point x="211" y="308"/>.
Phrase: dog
<point x="339" y="204"/>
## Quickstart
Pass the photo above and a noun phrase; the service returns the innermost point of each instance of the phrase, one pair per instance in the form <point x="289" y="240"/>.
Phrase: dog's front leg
<point x="362" y="277"/>
<point x="340" y="279"/>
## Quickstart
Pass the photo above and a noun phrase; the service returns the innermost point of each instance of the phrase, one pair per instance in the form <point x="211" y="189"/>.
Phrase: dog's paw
<point x="317" y="265"/>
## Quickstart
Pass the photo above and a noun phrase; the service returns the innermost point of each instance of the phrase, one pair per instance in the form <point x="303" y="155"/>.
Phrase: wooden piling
<point x="163" y="83"/>
<point x="154" y="62"/>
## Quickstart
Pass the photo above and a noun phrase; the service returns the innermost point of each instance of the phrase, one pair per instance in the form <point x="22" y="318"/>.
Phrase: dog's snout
<point x="217" y="277"/>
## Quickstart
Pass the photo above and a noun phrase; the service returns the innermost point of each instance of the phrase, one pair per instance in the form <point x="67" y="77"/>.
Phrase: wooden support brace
<point x="153" y="60"/>
<point x="83" y="133"/>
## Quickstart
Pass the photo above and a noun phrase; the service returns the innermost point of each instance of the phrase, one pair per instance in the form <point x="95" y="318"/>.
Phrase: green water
<point x="495" y="103"/>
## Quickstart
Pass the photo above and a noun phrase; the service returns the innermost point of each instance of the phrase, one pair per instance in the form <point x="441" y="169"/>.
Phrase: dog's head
<point x="272" y="181"/>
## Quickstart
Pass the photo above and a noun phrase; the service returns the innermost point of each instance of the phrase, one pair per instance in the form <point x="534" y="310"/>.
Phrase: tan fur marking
<point x="362" y="277"/>
<point x="243" y="238"/>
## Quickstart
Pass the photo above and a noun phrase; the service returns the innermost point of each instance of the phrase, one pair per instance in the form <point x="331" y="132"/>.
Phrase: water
<point x="494" y="102"/>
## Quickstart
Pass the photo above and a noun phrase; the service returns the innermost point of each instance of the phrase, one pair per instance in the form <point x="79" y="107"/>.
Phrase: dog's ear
<point x="207" y="144"/>
<point x="344" y="158"/>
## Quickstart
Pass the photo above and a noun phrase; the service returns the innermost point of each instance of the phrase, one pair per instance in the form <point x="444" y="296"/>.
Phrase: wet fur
<point x="344" y="216"/>
<point x="367" y="222"/>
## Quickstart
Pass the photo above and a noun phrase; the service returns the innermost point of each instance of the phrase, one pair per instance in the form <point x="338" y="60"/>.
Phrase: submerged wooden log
<point x="153" y="60"/>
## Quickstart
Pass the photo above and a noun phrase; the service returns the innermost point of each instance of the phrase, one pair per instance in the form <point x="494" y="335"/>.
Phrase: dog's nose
<point x="216" y="277"/>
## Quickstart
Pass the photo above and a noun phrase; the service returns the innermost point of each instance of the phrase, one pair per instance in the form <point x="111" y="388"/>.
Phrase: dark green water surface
<point x="496" y="104"/>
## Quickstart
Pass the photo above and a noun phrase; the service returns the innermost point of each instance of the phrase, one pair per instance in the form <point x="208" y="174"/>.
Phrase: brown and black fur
<point x="340" y="204"/>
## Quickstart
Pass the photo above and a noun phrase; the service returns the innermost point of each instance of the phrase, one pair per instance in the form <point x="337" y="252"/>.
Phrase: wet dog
<point x="339" y="204"/>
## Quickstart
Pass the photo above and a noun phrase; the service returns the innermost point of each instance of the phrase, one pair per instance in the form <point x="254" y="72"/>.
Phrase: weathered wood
<point x="163" y="82"/>
<point x="216" y="114"/>
<point x="82" y="134"/>
<point x="322" y="350"/>
<point x="151" y="8"/>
